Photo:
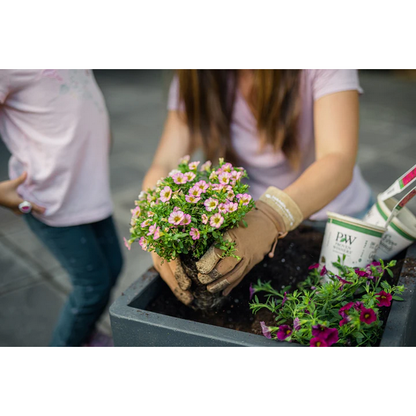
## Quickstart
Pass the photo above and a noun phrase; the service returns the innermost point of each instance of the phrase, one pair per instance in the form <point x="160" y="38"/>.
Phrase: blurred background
<point x="33" y="286"/>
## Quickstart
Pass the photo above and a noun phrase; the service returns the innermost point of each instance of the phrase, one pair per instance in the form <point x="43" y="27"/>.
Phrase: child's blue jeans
<point x="91" y="255"/>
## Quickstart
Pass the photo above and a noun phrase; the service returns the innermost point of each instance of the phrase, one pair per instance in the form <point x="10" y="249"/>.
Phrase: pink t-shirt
<point x="56" y="126"/>
<point x="268" y="168"/>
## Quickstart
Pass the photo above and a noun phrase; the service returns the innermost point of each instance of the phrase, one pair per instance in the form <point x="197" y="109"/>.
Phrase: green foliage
<point x="316" y="303"/>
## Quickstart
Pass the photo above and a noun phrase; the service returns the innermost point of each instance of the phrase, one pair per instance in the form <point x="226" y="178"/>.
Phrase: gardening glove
<point x="173" y="275"/>
<point x="275" y="214"/>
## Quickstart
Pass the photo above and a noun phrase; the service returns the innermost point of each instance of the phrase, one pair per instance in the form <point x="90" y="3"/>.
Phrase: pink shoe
<point x="98" y="339"/>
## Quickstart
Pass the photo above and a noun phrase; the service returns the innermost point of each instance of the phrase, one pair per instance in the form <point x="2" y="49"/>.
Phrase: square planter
<point x="132" y="325"/>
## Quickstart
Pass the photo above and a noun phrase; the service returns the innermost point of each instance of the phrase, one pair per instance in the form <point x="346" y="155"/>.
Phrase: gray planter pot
<point x="132" y="325"/>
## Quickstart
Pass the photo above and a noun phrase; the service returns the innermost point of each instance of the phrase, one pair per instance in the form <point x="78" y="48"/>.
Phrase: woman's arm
<point x="336" y="144"/>
<point x="174" y="143"/>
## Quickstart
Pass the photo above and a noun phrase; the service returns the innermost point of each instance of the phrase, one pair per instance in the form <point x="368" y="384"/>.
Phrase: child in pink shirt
<point x="56" y="126"/>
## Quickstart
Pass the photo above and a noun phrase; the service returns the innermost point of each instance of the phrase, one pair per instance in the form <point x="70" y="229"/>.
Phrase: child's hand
<point x="9" y="197"/>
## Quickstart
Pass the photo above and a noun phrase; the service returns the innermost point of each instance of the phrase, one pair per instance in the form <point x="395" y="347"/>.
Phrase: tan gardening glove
<point x="173" y="275"/>
<point x="275" y="214"/>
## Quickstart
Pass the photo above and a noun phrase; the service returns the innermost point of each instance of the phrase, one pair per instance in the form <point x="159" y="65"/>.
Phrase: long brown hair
<point x="209" y="96"/>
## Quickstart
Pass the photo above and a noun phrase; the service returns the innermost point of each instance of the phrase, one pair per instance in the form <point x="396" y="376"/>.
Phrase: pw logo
<point x="345" y="238"/>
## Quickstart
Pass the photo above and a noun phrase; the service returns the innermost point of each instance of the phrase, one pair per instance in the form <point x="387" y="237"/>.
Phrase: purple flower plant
<point x="313" y="266"/>
<point x="329" y="335"/>
<point x="383" y="298"/>
<point x="318" y="342"/>
<point x="251" y="290"/>
<point x="368" y="316"/>
<point x="265" y="330"/>
<point x="284" y="332"/>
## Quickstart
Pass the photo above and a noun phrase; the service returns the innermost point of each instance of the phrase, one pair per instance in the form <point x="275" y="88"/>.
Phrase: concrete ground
<point x="33" y="286"/>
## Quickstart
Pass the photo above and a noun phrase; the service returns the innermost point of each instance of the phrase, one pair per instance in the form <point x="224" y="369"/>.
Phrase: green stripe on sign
<point x="401" y="184"/>
<point x="358" y="228"/>
<point x="394" y="226"/>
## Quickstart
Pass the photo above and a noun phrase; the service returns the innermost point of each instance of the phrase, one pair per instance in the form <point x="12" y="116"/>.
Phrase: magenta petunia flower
<point x="186" y="219"/>
<point x="210" y="204"/>
<point x="204" y="219"/>
<point x="313" y="266"/>
<point x="296" y="324"/>
<point x="342" y="311"/>
<point x="383" y="298"/>
<point x="343" y="282"/>
<point x="165" y="194"/>
<point x="216" y="220"/>
<point x="361" y="273"/>
<point x="194" y="233"/>
<point x="317" y="342"/>
<point x="202" y="186"/>
<point x="179" y="178"/>
<point x="252" y="291"/>
<point x="232" y="206"/>
<point x="190" y="176"/>
<point x="127" y="243"/>
<point x="323" y="271"/>
<point x="223" y="208"/>
<point x="205" y="166"/>
<point x="193" y="165"/>
<point x="368" y="316"/>
<point x="176" y="217"/>
<point x="358" y="305"/>
<point x="329" y="335"/>
<point x="265" y="330"/>
<point x="143" y="243"/>
<point x="284" y="332"/>
<point x="192" y="199"/>
<point x="345" y="320"/>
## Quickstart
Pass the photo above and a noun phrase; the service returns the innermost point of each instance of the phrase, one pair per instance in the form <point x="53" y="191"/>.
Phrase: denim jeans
<point x="91" y="255"/>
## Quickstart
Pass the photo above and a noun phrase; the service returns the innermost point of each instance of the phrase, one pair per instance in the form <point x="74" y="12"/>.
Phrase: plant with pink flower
<point x="189" y="210"/>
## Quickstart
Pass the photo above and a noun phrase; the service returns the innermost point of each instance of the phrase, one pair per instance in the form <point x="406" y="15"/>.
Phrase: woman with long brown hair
<point x="296" y="134"/>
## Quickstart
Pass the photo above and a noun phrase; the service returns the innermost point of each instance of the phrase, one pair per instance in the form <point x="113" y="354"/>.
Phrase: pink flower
<point x="156" y="234"/>
<point x="227" y="167"/>
<point x="190" y="176"/>
<point x="210" y="204"/>
<point x="216" y="186"/>
<point x="127" y="243"/>
<point x="194" y="233"/>
<point x="230" y="193"/>
<point x="244" y="198"/>
<point x="173" y="172"/>
<point x="143" y="243"/>
<point x="145" y="223"/>
<point x="265" y="330"/>
<point x="216" y="220"/>
<point x="284" y="332"/>
<point x="202" y="186"/>
<point x="135" y="212"/>
<point x="224" y="178"/>
<point x="192" y="199"/>
<point x="180" y="178"/>
<point x="150" y="214"/>
<point x="234" y="174"/>
<point x="165" y="194"/>
<point x="232" y="206"/>
<point x="176" y="217"/>
<point x="212" y="176"/>
<point x="223" y="208"/>
<point x="323" y="271"/>
<point x="195" y="191"/>
<point x="184" y="159"/>
<point x="205" y="166"/>
<point x="152" y="229"/>
<point x="204" y="219"/>
<point x="193" y="165"/>
<point x="313" y="266"/>
<point x="186" y="219"/>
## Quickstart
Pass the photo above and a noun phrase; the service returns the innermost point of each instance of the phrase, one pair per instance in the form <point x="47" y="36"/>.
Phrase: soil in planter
<point x="293" y="255"/>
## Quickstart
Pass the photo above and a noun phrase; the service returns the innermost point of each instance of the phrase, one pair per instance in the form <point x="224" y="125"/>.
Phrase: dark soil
<point x="293" y="255"/>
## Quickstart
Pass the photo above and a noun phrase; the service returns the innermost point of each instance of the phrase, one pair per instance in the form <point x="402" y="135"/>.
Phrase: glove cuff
<point x="284" y="205"/>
